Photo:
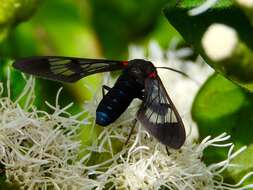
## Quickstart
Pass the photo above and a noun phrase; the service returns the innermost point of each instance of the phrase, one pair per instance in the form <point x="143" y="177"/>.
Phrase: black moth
<point x="139" y="79"/>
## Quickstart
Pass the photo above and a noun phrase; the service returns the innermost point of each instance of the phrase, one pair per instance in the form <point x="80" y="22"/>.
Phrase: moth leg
<point x="131" y="131"/>
<point x="104" y="87"/>
<point x="167" y="150"/>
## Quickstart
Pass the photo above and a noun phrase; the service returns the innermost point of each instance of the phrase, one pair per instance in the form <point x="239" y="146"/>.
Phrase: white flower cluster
<point x="145" y="164"/>
<point x="39" y="151"/>
<point x="36" y="148"/>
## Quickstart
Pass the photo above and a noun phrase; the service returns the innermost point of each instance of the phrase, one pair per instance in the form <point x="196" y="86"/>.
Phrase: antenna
<point x="179" y="72"/>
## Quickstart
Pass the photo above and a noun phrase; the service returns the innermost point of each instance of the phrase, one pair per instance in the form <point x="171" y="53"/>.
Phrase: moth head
<point x="139" y="68"/>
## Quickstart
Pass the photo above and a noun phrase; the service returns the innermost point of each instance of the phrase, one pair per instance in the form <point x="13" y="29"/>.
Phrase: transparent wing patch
<point x="65" y="69"/>
<point x="159" y="115"/>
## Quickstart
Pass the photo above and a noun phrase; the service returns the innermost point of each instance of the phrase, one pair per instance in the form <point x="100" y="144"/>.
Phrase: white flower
<point x="219" y="41"/>
<point x="37" y="148"/>
<point x="144" y="164"/>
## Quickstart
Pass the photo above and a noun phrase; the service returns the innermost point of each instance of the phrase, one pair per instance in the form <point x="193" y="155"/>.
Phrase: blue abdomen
<point x="103" y="118"/>
<point x="116" y="101"/>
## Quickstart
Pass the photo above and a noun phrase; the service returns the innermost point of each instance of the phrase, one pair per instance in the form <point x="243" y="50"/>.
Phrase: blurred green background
<point x="105" y="29"/>
<point x="90" y="28"/>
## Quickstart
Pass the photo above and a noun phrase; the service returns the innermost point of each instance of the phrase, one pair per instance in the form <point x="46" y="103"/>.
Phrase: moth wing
<point x="65" y="69"/>
<point x="159" y="115"/>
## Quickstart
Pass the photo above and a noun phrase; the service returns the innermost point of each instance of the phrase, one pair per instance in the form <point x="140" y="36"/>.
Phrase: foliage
<point x="221" y="105"/>
<point x="192" y="28"/>
<point x="96" y="28"/>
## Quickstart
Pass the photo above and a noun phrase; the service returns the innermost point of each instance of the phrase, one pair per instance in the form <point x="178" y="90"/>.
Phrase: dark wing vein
<point x="159" y="115"/>
<point x="65" y="69"/>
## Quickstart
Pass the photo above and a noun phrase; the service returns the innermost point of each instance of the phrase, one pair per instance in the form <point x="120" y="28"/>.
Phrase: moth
<point x="139" y="79"/>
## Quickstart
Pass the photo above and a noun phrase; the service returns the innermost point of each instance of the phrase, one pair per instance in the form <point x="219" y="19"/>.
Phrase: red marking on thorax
<point x="152" y="75"/>
<point x="124" y="63"/>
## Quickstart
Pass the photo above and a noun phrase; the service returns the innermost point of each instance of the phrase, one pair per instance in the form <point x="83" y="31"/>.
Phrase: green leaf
<point x="217" y="98"/>
<point x="221" y="106"/>
<point x="190" y="4"/>
<point x="244" y="163"/>
<point x="192" y="29"/>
